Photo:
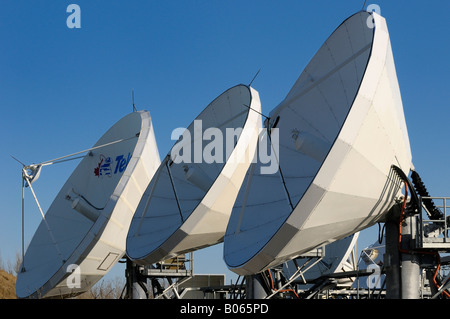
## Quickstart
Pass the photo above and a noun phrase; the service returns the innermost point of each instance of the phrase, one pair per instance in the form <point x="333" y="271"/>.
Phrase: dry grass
<point x="7" y="285"/>
<point x="8" y="279"/>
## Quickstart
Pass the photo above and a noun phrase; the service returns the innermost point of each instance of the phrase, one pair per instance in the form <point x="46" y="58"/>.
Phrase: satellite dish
<point x="341" y="128"/>
<point x="372" y="259"/>
<point x="337" y="259"/>
<point x="187" y="204"/>
<point x="83" y="232"/>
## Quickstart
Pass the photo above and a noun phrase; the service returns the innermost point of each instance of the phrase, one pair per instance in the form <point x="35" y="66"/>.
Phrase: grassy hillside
<point x="7" y="285"/>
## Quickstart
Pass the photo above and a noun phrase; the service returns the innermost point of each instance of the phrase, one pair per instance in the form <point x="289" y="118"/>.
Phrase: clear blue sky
<point x="61" y="88"/>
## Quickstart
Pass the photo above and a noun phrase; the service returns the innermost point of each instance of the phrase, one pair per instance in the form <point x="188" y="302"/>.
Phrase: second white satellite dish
<point x="83" y="233"/>
<point x="372" y="260"/>
<point x="337" y="260"/>
<point x="189" y="200"/>
<point x="341" y="128"/>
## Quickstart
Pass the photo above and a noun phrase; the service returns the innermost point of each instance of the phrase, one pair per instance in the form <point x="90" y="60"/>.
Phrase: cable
<point x="281" y="290"/>
<point x="283" y="181"/>
<point x="87" y="150"/>
<point x="174" y="192"/>
<point x="45" y="221"/>
<point x="88" y="202"/>
<point x="254" y="77"/>
<point x="23" y="224"/>
<point x="381" y="232"/>
<point x="447" y="294"/>
<point x="364" y="5"/>
<point x="401" y="219"/>
<point x="248" y="106"/>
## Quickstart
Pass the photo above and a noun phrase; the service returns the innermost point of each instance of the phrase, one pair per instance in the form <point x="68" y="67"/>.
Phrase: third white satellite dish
<point x="82" y="235"/>
<point x="341" y="128"/>
<point x="189" y="200"/>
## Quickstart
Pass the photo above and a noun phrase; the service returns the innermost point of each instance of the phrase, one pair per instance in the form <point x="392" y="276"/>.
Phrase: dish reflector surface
<point x="188" y="202"/>
<point x="90" y="216"/>
<point x="341" y="128"/>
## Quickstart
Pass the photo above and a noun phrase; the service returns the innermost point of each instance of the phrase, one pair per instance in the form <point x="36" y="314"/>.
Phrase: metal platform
<point x="433" y="233"/>
<point x="179" y="266"/>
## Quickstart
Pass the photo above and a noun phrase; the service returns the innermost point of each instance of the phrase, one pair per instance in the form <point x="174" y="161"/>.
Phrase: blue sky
<point x="61" y="88"/>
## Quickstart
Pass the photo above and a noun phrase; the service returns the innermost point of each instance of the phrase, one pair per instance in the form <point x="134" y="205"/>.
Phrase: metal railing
<point x="434" y="232"/>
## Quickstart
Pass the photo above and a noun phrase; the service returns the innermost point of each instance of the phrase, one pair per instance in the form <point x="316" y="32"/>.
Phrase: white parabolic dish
<point x="341" y="128"/>
<point x="188" y="202"/>
<point x="335" y="261"/>
<point x="90" y="216"/>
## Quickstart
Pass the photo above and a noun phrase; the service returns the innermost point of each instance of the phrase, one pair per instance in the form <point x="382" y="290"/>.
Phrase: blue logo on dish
<point x="108" y="167"/>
